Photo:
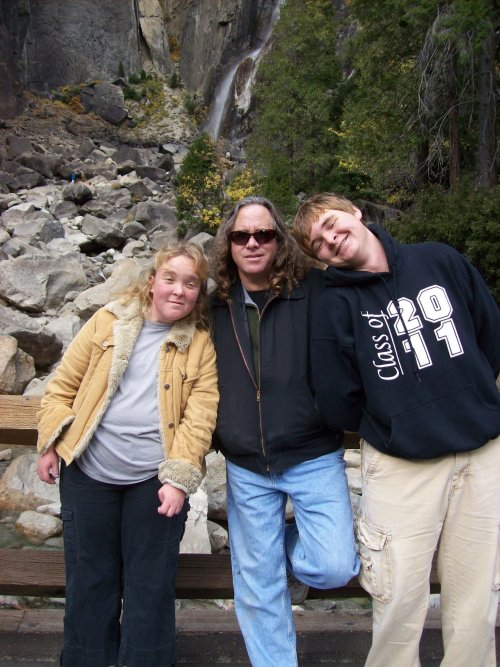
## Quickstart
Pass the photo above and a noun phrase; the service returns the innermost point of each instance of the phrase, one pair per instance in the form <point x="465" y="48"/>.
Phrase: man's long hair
<point x="290" y="264"/>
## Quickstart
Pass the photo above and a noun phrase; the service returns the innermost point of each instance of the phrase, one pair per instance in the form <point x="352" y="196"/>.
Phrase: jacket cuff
<point x="52" y="440"/>
<point x="180" y="474"/>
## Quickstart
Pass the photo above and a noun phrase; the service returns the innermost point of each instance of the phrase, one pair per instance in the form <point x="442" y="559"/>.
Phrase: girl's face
<point x="175" y="289"/>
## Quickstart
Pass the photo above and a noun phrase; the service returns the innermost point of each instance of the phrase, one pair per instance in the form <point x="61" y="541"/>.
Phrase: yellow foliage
<point x="244" y="184"/>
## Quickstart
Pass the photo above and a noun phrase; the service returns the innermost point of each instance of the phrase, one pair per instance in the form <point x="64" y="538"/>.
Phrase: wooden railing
<point x="40" y="572"/>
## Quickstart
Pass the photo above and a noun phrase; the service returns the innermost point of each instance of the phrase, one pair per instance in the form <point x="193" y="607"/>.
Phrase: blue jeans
<point x="114" y="537"/>
<point x="318" y="548"/>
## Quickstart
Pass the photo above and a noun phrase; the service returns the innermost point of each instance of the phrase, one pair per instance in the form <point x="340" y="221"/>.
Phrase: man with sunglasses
<point x="269" y="430"/>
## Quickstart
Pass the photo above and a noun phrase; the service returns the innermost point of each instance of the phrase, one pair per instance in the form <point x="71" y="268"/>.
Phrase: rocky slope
<point x="61" y="241"/>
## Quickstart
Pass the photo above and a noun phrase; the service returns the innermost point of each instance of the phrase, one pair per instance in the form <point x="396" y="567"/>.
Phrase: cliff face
<point x="50" y="44"/>
<point x="214" y="34"/>
<point x="45" y="45"/>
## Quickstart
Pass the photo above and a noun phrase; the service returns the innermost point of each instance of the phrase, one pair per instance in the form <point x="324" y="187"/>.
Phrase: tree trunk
<point x="486" y="167"/>
<point x="454" y="113"/>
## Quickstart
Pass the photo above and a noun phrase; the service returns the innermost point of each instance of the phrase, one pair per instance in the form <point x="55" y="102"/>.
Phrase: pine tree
<point x="299" y="95"/>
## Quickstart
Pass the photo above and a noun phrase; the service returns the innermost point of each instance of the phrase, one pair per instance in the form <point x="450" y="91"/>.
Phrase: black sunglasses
<point x="262" y="236"/>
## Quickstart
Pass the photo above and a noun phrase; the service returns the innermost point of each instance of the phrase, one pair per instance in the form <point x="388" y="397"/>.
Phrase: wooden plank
<point x="205" y="576"/>
<point x="18" y="420"/>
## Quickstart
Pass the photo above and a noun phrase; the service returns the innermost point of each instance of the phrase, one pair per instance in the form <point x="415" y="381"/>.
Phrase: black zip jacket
<point x="276" y="425"/>
<point x="416" y="380"/>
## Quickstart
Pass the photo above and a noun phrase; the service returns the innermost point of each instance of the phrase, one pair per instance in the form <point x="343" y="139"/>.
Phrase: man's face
<point x="254" y="260"/>
<point x="339" y="239"/>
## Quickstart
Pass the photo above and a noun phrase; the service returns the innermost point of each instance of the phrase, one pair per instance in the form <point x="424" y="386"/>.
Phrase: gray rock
<point x="22" y="177"/>
<point x="7" y="200"/>
<point x="39" y="283"/>
<point x="101" y="232"/>
<point x="196" y="539"/>
<point x="20" y="487"/>
<point x="79" y="193"/>
<point x="154" y="33"/>
<point x="15" y="215"/>
<point x="218" y="536"/>
<point x="165" y="162"/>
<point x="204" y="240"/>
<point x="154" y="173"/>
<point x="129" y="155"/>
<point x="43" y="196"/>
<point x="37" y="527"/>
<point x="40" y="229"/>
<point x="139" y="191"/>
<point x="64" y="210"/>
<point x="106" y="100"/>
<point x="354" y="480"/>
<point x="215" y="485"/>
<point x="65" y="327"/>
<point x="133" y="230"/>
<point x="5" y="236"/>
<point x="158" y="240"/>
<point x="101" y="209"/>
<point x="154" y="215"/>
<point x="18" y="145"/>
<point x="16" y="367"/>
<point x="45" y="164"/>
<point x="32" y="336"/>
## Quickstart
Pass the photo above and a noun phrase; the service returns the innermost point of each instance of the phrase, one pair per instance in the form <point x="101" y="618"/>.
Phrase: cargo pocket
<point x="68" y="535"/>
<point x="374" y="552"/>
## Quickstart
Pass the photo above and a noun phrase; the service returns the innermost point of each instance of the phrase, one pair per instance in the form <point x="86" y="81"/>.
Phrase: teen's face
<point x="174" y="289"/>
<point x="338" y="239"/>
<point x="254" y="260"/>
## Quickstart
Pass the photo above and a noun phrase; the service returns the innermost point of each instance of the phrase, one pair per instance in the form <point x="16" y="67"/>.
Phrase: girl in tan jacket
<point x="130" y="414"/>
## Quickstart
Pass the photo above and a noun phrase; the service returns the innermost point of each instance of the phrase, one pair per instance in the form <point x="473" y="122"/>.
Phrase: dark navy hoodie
<point x="409" y="358"/>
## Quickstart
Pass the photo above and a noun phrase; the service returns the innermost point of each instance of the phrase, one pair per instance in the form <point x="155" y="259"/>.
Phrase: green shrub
<point x="200" y="197"/>
<point x="175" y="80"/>
<point x="132" y="93"/>
<point x="467" y="219"/>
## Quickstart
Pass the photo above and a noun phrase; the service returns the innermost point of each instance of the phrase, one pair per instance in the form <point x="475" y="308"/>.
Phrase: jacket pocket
<point x="461" y="421"/>
<point x="374" y="551"/>
<point x="188" y="379"/>
<point x="68" y="535"/>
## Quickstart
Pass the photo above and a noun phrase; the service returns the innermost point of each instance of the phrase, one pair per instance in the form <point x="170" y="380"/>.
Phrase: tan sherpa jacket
<point x="90" y="372"/>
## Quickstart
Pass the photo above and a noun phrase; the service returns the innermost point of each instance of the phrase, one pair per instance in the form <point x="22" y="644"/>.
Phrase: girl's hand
<point x="171" y="499"/>
<point x="48" y="466"/>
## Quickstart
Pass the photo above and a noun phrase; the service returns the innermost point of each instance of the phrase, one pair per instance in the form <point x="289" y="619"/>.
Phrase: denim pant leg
<point x="256" y="510"/>
<point x="150" y="547"/>
<point x="320" y="543"/>
<point x="91" y="513"/>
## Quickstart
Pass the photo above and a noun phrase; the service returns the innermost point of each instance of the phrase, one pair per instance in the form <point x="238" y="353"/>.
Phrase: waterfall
<point x="221" y="100"/>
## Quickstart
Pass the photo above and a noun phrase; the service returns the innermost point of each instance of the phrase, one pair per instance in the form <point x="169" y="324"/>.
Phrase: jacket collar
<point x="237" y="295"/>
<point x="180" y="334"/>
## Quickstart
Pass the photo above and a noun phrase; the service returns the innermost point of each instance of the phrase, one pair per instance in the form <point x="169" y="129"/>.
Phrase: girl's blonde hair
<point x="141" y="288"/>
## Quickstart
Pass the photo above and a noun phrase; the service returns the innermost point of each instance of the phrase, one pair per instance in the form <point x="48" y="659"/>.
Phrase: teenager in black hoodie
<point x="405" y="350"/>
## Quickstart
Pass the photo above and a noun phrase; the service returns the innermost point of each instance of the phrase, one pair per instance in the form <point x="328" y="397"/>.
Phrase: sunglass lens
<point x="265" y="235"/>
<point x="240" y="238"/>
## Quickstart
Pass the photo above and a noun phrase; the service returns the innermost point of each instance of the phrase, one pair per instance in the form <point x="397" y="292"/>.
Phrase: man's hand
<point x="171" y="499"/>
<point x="48" y="466"/>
